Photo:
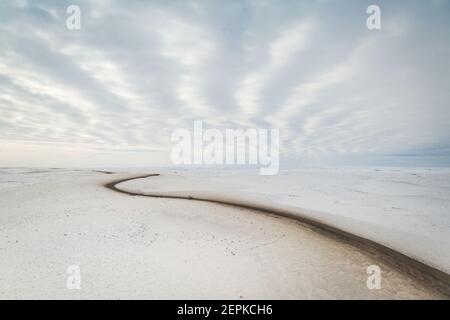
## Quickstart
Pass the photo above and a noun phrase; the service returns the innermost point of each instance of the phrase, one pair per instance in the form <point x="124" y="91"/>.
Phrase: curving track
<point x="428" y="275"/>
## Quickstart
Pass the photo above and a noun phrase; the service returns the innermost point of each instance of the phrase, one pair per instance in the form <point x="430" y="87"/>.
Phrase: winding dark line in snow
<point x="420" y="271"/>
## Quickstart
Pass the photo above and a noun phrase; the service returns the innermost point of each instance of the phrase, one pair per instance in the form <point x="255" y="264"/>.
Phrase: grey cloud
<point x="139" y="69"/>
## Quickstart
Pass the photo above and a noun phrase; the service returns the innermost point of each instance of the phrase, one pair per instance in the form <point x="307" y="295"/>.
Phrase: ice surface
<point x="407" y="209"/>
<point x="141" y="247"/>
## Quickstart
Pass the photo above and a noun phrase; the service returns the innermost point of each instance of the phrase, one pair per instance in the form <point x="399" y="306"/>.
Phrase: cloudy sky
<point x="111" y="93"/>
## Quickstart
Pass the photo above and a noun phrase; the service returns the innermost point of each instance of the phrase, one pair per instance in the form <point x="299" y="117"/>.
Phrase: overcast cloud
<point x="113" y="92"/>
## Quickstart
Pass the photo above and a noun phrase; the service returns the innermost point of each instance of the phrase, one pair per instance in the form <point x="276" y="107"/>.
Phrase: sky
<point x="113" y="92"/>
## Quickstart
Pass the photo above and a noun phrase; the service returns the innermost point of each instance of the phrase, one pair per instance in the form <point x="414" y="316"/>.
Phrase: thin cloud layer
<point x="113" y="92"/>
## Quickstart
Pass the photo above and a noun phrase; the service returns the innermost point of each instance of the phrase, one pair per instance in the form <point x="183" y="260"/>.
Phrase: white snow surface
<point x="154" y="248"/>
<point x="406" y="209"/>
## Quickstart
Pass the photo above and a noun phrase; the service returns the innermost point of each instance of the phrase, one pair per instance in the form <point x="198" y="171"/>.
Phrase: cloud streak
<point x="138" y="70"/>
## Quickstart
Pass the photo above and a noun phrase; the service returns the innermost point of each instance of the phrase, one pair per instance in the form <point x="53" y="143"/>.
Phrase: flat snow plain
<point x="140" y="247"/>
<point x="405" y="209"/>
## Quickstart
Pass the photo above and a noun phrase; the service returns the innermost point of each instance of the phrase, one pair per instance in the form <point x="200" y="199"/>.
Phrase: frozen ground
<point x="140" y="247"/>
<point x="405" y="209"/>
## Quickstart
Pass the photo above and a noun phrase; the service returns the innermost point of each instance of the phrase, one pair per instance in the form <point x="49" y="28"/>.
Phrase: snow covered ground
<point x="141" y="247"/>
<point x="403" y="208"/>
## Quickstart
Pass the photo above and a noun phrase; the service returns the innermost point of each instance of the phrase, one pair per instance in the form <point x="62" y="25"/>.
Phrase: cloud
<point x="136" y="71"/>
<point x="282" y="50"/>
